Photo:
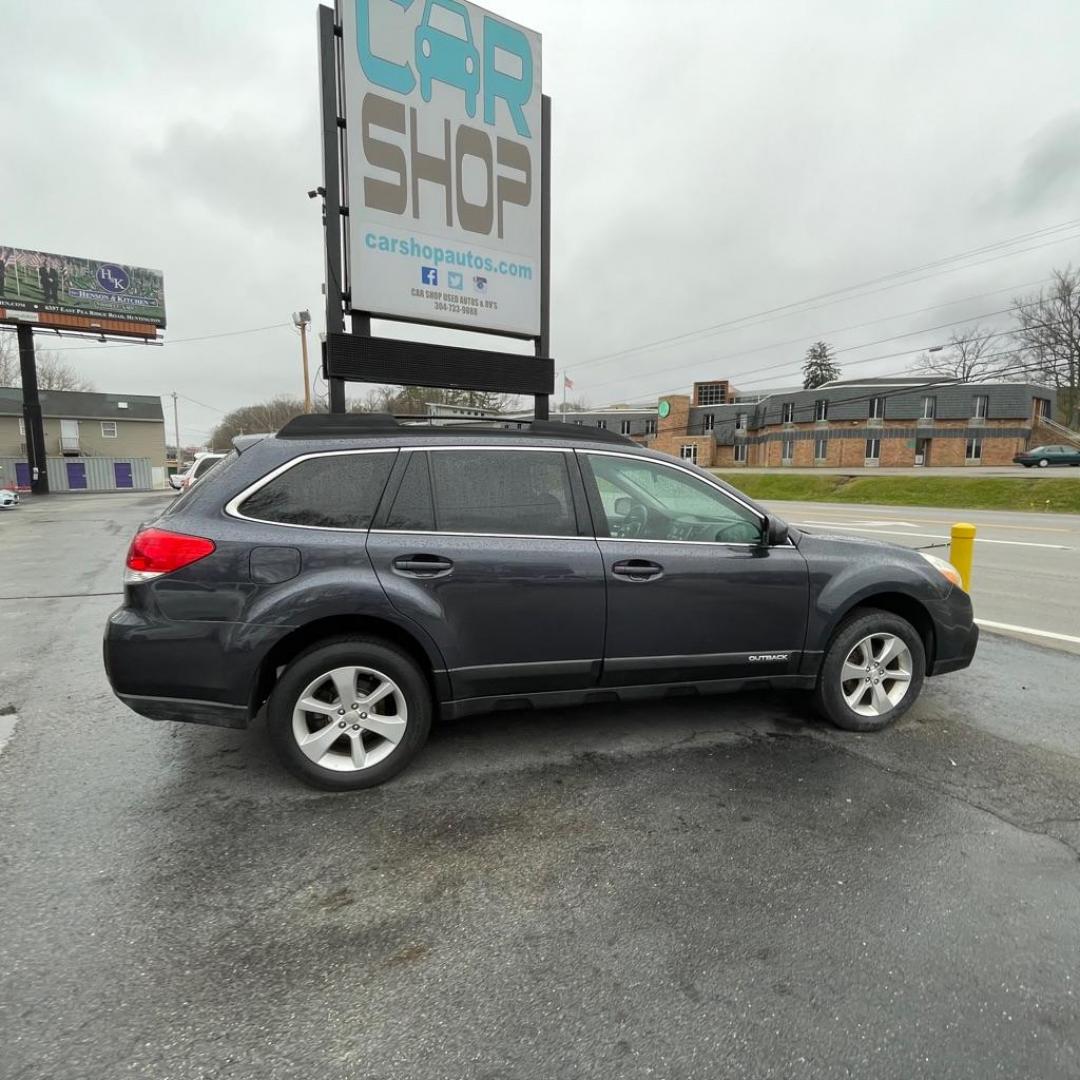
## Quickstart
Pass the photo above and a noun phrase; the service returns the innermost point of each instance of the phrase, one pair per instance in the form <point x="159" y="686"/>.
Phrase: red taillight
<point x="154" y="552"/>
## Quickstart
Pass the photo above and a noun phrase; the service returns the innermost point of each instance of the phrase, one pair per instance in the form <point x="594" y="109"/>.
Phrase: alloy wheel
<point x="349" y="718"/>
<point x="876" y="674"/>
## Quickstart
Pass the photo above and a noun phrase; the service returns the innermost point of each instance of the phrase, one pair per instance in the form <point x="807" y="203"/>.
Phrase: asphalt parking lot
<point x="701" y="889"/>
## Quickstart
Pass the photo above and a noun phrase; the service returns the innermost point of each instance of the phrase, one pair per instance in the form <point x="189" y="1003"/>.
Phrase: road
<point x="1027" y="566"/>
<point x="706" y="888"/>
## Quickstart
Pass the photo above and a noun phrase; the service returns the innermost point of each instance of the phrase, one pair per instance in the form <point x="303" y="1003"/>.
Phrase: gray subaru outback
<point x="355" y="577"/>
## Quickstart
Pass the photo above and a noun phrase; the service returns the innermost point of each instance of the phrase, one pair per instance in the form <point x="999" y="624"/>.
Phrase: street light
<point x="302" y="320"/>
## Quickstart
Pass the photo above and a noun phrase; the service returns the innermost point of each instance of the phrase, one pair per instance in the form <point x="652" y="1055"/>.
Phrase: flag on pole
<point x="568" y="383"/>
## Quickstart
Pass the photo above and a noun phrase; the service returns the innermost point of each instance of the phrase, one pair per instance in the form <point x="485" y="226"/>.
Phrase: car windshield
<point x="448" y="21"/>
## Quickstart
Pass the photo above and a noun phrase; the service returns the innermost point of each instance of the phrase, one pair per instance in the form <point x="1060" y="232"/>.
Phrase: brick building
<point x="890" y="421"/>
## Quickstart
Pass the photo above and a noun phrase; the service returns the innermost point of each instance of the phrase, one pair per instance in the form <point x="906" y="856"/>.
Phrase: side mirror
<point x="774" y="532"/>
<point x="623" y="505"/>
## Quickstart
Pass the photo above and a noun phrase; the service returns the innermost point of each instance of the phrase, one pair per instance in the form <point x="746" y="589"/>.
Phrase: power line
<point x="793" y="368"/>
<point x="834" y="296"/>
<point x="177" y="341"/>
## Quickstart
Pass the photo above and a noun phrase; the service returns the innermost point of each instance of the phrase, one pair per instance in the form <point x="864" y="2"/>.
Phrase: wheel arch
<point x="336" y="626"/>
<point x="896" y="603"/>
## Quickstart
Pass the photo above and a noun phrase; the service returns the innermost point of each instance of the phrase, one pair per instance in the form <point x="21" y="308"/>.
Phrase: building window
<point x="981" y="406"/>
<point x="821" y="449"/>
<point x="689" y="452"/>
<point x="710" y="421"/>
<point x="821" y="409"/>
<point x="876" y="408"/>
<point x="650" y="427"/>
<point x="788" y="449"/>
<point x="974" y="450"/>
<point x="873" y="449"/>
<point x="788" y="412"/>
<point x="740" y="421"/>
<point x="929" y="408"/>
<point x="740" y="452"/>
<point x="602" y="424"/>
<point x="710" y="394"/>
<point x="624" y="427"/>
<point x="108" y="429"/>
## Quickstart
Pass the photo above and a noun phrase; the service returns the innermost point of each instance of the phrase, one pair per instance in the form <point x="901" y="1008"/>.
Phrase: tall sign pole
<point x="543" y="342"/>
<point x="436" y="195"/>
<point x="332" y="126"/>
<point x="32" y="421"/>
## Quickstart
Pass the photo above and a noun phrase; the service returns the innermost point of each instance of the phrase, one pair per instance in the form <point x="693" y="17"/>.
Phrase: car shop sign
<point x="443" y="108"/>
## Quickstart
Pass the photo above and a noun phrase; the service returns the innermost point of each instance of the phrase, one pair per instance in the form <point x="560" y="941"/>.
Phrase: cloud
<point x="1050" y="171"/>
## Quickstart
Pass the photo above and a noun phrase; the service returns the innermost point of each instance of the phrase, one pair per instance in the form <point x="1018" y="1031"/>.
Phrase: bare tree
<point x="9" y="360"/>
<point x="265" y="416"/>
<point x="969" y="355"/>
<point x="52" y="372"/>
<point x="1048" y="330"/>
<point x="574" y="404"/>
<point x="414" y="400"/>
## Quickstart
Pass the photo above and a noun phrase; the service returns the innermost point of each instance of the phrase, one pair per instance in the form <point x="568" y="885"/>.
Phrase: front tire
<point x="1043" y="463"/>
<point x="349" y="713"/>
<point x="872" y="672"/>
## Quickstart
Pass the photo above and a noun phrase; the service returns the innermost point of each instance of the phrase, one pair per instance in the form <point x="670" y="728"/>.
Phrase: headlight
<point x="946" y="569"/>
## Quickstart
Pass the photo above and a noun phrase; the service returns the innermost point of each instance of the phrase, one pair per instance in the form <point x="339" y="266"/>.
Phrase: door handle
<point x="422" y="565"/>
<point x="637" y="570"/>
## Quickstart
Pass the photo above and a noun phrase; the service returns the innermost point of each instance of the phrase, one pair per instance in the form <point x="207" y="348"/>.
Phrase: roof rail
<point x="363" y="425"/>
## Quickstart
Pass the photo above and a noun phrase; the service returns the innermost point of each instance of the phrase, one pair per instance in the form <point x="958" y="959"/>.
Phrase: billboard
<point x="443" y="106"/>
<point x="68" y="293"/>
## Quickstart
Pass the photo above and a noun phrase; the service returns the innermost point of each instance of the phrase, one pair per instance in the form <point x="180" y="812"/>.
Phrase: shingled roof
<point x="83" y="405"/>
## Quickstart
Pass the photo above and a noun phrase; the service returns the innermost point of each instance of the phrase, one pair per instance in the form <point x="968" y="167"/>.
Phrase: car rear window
<point x="328" y="491"/>
<point x="502" y="491"/>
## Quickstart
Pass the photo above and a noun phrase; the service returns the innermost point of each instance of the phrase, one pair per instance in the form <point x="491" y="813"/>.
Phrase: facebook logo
<point x="455" y="280"/>
<point x="429" y="275"/>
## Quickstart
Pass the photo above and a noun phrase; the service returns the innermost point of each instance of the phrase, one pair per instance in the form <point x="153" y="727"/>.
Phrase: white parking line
<point x="928" y="536"/>
<point x="1028" y="630"/>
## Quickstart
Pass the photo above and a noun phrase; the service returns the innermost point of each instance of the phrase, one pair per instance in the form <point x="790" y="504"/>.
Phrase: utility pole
<point x="302" y="320"/>
<point x="176" y="430"/>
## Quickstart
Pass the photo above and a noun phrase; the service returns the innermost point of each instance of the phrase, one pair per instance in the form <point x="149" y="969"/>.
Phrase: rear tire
<point x="1043" y="463"/>
<point x="370" y="693"/>
<point x="872" y="672"/>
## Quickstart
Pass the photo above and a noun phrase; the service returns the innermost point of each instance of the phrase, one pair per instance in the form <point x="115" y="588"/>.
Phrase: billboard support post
<point x="32" y="421"/>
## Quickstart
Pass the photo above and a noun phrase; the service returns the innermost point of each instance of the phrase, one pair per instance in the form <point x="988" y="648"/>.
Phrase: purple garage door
<point x="76" y="474"/>
<point x="22" y="475"/>
<point x="122" y="473"/>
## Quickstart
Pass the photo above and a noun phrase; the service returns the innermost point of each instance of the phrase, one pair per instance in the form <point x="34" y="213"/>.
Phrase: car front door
<point x="693" y="592"/>
<point x="490" y="550"/>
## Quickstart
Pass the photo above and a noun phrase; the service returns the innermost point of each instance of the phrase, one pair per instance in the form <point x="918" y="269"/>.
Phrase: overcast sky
<point x="711" y="161"/>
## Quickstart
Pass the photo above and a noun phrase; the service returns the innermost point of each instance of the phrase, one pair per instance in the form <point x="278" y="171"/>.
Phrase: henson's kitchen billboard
<point x="67" y="292"/>
<point x="443" y="107"/>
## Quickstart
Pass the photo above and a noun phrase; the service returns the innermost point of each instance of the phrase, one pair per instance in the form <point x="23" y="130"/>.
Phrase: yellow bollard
<point x="962" y="550"/>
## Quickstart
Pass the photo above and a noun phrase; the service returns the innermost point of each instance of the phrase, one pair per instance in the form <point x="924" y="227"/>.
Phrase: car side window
<point x="645" y="500"/>
<point x="328" y="491"/>
<point x="413" y="509"/>
<point x="503" y="491"/>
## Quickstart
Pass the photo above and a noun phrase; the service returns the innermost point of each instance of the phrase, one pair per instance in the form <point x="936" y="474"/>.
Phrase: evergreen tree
<point x="819" y="367"/>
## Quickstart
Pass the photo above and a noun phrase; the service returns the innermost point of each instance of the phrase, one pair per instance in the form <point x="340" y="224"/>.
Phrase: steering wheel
<point x="636" y="520"/>
<point x="736" y="527"/>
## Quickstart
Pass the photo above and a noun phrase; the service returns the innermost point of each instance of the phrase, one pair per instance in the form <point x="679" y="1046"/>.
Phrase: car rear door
<point x="692" y="592"/>
<point x="489" y="549"/>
